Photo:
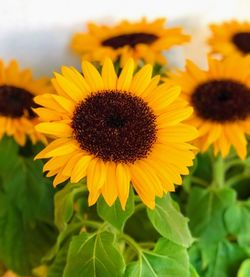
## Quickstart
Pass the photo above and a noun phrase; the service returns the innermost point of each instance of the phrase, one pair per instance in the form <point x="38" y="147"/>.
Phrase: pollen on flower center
<point x="242" y="41"/>
<point x="115" y="126"/>
<point x="15" y="101"/>
<point x="129" y="39"/>
<point x="222" y="100"/>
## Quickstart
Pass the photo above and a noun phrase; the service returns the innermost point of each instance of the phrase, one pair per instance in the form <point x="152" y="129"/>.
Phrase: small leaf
<point x="94" y="255"/>
<point x="244" y="270"/>
<point x="237" y="220"/>
<point x="167" y="260"/>
<point x="169" y="222"/>
<point x="225" y="259"/>
<point x="64" y="203"/>
<point x="115" y="215"/>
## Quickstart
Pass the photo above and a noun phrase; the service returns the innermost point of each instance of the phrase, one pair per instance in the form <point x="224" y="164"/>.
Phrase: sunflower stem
<point x="218" y="172"/>
<point x="132" y="243"/>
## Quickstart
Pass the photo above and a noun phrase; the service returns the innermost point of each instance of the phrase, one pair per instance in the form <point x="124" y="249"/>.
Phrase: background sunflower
<point x="220" y="97"/>
<point x="229" y="38"/>
<point x="17" y="89"/>
<point x="142" y="40"/>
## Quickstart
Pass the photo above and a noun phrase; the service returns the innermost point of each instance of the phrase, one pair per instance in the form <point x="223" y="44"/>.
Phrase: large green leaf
<point x="166" y="260"/>
<point x="94" y="255"/>
<point x="206" y="212"/>
<point x="237" y="219"/>
<point x="169" y="222"/>
<point x="244" y="270"/>
<point x="26" y="217"/>
<point x="64" y="203"/>
<point x="115" y="215"/>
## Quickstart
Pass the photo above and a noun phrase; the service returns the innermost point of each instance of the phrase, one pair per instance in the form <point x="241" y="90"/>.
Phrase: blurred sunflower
<point x="17" y="89"/>
<point x="230" y="38"/>
<point x="140" y="40"/>
<point x="220" y="97"/>
<point x="115" y="130"/>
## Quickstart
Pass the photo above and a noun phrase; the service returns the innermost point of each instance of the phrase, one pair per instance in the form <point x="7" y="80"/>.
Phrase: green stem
<point x="139" y="207"/>
<point x="148" y="244"/>
<point x="232" y="163"/>
<point x="91" y="223"/>
<point x="199" y="181"/>
<point x="132" y="243"/>
<point x="218" y="172"/>
<point x="236" y="179"/>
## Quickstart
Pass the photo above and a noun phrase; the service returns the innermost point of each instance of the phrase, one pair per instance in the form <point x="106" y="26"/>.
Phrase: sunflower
<point x="17" y="90"/>
<point x="140" y="40"/>
<point x="116" y="131"/>
<point x="231" y="37"/>
<point x="220" y="97"/>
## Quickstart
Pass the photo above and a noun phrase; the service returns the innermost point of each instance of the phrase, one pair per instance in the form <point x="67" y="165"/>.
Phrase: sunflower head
<point x="141" y="40"/>
<point x="117" y="131"/>
<point x="220" y="97"/>
<point x="230" y="38"/>
<point x="17" y="90"/>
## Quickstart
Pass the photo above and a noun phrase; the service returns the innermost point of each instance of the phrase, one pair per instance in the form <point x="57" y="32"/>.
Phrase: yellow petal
<point x="92" y="76"/>
<point x="96" y="176"/>
<point x="109" y="189"/>
<point x="141" y="80"/>
<point x="72" y="91"/>
<point x="58" y="129"/>
<point x="53" y="145"/>
<point x="126" y="76"/>
<point x="109" y="75"/>
<point x="164" y="96"/>
<point x="123" y="183"/>
<point x="80" y="169"/>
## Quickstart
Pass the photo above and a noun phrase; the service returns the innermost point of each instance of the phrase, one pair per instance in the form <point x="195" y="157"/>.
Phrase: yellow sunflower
<point x="140" y="40"/>
<point x="220" y="97"/>
<point x="231" y="37"/>
<point x="17" y="90"/>
<point x="116" y="130"/>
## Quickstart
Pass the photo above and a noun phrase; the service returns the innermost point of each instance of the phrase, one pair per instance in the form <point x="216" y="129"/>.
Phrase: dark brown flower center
<point x="129" y="39"/>
<point x="14" y="102"/>
<point x="115" y="126"/>
<point x="222" y="100"/>
<point x="242" y="41"/>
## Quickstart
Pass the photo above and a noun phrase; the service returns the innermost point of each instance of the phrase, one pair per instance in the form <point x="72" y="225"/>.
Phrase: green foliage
<point x="167" y="259"/>
<point x="115" y="215"/>
<point x="169" y="222"/>
<point x="26" y="211"/>
<point x="237" y="219"/>
<point x="64" y="203"/>
<point x="244" y="270"/>
<point x="206" y="209"/>
<point x="94" y="255"/>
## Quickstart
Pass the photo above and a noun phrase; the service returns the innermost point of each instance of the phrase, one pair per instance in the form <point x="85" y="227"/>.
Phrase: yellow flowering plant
<point x="114" y="169"/>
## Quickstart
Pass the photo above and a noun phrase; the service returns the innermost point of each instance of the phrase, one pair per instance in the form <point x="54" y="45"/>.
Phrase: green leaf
<point x="244" y="270"/>
<point x="237" y="220"/>
<point x="166" y="260"/>
<point x="193" y="272"/>
<point x="115" y="215"/>
<point x="94" y="255"/>
<point x="226" y="260"/>
<point x="26" y="211"/>
<point x="169" y="222"/>
<point x="64" y="203"/>
<point x="57" y="257"/>
<point x="206" y="212"/>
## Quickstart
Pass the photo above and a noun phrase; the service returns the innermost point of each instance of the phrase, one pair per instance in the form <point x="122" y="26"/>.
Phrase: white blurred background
<point x="37" y="33"/>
